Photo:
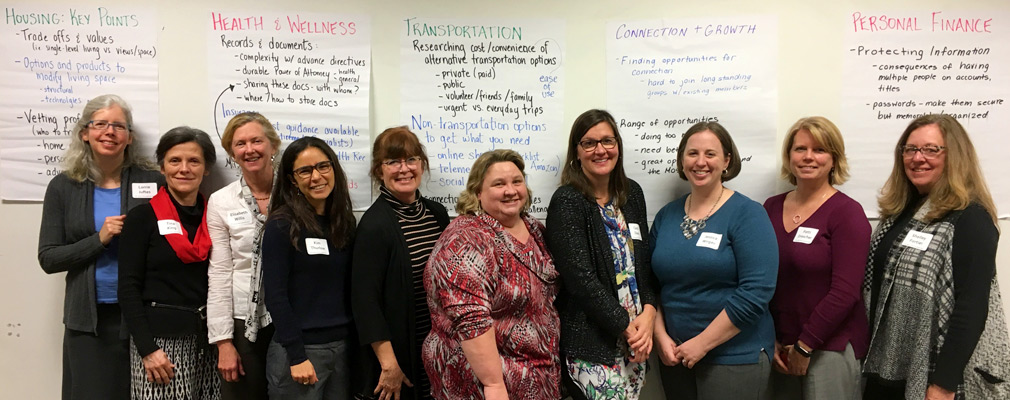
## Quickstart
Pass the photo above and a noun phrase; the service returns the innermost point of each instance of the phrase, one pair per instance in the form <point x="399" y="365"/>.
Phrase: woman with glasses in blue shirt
<point x="82" y="216"/>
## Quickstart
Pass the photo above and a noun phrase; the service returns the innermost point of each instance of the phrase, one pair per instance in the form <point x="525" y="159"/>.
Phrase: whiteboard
<point x="809" y="33"/>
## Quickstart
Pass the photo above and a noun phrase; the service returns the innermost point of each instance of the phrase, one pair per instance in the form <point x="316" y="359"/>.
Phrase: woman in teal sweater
<point x="716" y="259"/>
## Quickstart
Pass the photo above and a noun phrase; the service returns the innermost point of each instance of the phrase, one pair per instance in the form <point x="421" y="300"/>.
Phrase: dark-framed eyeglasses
<point x="928" y="151"/>
<point x="100" y="125"/>
<point x="324" y="167"/>
<point x="410" y="162"/>
<point x="590" y="144"/>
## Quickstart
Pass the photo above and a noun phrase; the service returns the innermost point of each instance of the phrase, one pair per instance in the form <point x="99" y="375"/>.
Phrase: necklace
<point x="262" y="198"/>
<point x="796" y="217"/>
<point x="691" y="227"/>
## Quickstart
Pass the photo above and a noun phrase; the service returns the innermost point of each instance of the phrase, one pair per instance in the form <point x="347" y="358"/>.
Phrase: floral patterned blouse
<point x="479" y="277"/>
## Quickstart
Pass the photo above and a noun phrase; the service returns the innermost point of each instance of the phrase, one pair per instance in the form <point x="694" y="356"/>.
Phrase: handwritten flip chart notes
<point x="307" y="73"/>
<point x="899" y="66"/>
<point x="56" y="58"/>
<point x="663" y="76"/>
<point x="470" y="86"/>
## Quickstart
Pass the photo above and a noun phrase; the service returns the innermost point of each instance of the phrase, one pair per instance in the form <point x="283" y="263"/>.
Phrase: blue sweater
<point x="699" y="282"/>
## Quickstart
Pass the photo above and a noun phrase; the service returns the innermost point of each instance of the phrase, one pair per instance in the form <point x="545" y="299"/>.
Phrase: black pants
<point x="97" y="366"/>
<point x="252" y="385"/>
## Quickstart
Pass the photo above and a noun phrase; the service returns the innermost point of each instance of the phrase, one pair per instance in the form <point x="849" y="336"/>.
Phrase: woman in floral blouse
<point x="491" y="286"/>
<point x="596" y="231"/>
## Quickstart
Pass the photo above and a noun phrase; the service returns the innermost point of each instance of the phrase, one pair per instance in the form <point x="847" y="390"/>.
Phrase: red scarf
<point x="186" y="251"/>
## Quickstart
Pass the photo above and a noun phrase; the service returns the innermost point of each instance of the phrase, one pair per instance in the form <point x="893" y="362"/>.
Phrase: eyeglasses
<point x="929" y="151"/>
<point x="103" y="125"/>
<point x="324" y="167"/>
<point x="410" y="162"/>
<point x="590" y="144"/>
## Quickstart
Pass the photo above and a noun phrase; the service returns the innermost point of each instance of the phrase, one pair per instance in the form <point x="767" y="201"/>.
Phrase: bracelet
<point x="803" y="352"/>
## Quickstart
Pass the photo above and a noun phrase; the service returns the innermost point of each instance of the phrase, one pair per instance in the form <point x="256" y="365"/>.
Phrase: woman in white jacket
<point x="235" y="217"/>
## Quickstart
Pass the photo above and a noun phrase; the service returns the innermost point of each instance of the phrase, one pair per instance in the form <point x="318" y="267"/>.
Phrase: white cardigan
<point x="232" y="231"/>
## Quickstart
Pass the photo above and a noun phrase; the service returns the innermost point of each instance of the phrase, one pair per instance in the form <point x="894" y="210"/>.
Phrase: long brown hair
<point x="572" y="173"/>
<point x="961" y="181"/>
<point x="288" y="203"/>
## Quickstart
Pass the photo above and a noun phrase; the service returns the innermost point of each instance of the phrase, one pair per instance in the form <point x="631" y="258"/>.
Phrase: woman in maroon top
<point x="491" y="286"/>
<point x="823" y="238"/>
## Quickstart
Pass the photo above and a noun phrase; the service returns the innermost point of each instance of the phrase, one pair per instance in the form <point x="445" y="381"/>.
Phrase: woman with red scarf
<point x="163" y="262"/>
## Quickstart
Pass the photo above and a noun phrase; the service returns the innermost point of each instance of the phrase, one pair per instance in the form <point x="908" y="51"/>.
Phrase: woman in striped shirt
<point x="394" y="239"/>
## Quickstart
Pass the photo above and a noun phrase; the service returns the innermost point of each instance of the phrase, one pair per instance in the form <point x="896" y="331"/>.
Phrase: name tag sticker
<point x="636" y="232"/>
<point x="710" y="240"/>
<point x="169" y="227"/>
<point x="239" y="217"/>
<point x="316" y="246"/>
<point x="144" y="190"/>
<point x="805" y="235"/>
<point x="917" y="240"/>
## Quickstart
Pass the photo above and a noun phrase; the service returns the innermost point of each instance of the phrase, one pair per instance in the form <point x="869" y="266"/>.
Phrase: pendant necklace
<point x="691" y="227"/>
<point x="796" y="217"/>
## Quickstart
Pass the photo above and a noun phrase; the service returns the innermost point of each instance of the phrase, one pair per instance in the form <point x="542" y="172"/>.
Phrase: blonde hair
<point x="960" y="183"/>
<point x="469" y="203"/>
<point x="826" y="134"/>
<point x="79" y="162"/>
<point x="239" y="121"/>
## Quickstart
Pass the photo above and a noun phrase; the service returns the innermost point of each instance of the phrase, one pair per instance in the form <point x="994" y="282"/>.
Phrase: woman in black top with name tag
<point x="936" y="319"/>
<point x="306" y="274"/>
<point x="163" y="258"/>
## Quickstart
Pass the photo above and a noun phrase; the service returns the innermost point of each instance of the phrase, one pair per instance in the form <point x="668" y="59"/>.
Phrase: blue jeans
<point x="331" y="362"/>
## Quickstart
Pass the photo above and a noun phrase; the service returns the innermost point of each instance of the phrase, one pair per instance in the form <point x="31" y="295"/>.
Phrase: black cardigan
<point x="591" y="317"/>
<point x="382" y="290"/>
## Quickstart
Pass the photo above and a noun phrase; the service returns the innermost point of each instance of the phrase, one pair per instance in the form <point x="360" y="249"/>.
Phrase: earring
<point x="724" y="172"/>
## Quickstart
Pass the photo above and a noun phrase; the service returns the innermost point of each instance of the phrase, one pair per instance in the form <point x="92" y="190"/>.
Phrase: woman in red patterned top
<point x="491" y="286"/>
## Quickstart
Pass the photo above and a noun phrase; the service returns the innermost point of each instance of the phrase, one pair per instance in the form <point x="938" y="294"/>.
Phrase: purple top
<point x="818" y="298"/>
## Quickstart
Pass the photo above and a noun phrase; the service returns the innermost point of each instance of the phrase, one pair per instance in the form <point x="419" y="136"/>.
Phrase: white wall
<point x="810" y="43"/>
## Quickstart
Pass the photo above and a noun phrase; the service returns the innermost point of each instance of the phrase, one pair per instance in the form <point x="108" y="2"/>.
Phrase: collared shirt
<point x="232" y="230"/>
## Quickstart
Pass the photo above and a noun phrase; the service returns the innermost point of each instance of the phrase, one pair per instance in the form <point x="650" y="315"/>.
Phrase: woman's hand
<point x="304" y="373"/>
<point x="639" y="334"/>
<point x="934" y="392"/>
<point x="496" y="392"/>
<point x="159" y="368"/>
<point x="780" y="363"/>
<point x="718" y="332"/>
<point x="667" y="346"/>
<point x="111" y="228"/>
<point x="390" y="382"/>
<point x="797" y="362"/>
<point x="691" y="351"/>
<point x="667" y="351"/>
<point x="229" y="363"/>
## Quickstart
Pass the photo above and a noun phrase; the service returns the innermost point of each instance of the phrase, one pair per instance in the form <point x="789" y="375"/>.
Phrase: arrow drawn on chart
<point x="216" y="129"/>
